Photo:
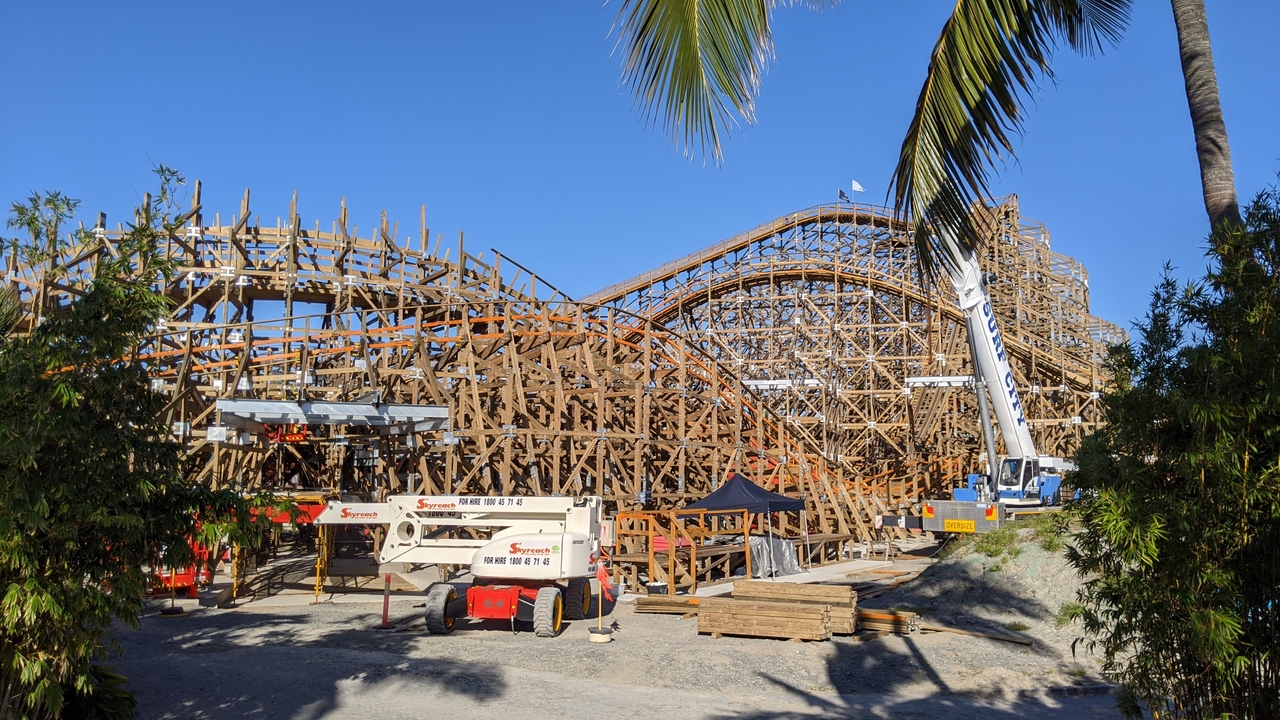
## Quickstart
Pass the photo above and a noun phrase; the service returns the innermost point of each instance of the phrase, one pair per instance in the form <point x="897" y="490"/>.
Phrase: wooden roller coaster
<point x="780" y="354"/>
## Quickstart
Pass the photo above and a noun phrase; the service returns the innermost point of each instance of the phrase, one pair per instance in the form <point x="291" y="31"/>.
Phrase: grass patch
<point x="1047" y="529"/>
<point x="1018" y="626"/>
<point x="996" y="542"/>
<point x="1068" y="612"/>
<point x="1052" y="543"/>
<point x="998" y="567"/>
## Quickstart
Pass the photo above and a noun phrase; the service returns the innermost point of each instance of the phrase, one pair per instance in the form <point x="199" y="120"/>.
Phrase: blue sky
<point x="507" y="120"/>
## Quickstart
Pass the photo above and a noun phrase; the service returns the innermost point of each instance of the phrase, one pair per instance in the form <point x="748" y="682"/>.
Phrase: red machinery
<point x="167" y="580"/>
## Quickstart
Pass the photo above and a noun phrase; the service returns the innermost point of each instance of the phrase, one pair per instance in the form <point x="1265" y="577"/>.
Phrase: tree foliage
<point x="1180" y="538"/>
<point x="90" y="483"/>
<point x="41" y="216"/>
<point x="696" y="64"/>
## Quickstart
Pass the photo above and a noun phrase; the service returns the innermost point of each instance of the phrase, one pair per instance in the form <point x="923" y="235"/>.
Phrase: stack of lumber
<point x="665" y="604"/>
<point x="840" y="600"/>
<point x="787" y="621"/>
<point x="867" y="589"/>
<point x="898" y="621"/>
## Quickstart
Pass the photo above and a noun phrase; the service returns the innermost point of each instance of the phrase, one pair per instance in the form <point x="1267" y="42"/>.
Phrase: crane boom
<point x="1022" y="481"/>
<point x="1023" y="477"/>
<point x="990" y="356"/>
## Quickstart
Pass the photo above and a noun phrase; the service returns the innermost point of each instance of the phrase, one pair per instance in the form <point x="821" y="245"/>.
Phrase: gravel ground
<point x="1020" y="595"/>
<point x="326" y="661"/>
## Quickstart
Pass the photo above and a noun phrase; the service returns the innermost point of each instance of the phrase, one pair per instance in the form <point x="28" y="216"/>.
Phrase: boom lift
<point x="535" y="567"/>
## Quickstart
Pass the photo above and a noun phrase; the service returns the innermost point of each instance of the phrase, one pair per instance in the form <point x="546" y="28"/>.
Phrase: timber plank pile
<point x="897" y="621"/>
<point x="667" y="605"/>
<point x="783" y="610"/>
<point x="871" y="589"/>
<point x="786" y="621"/>
<point x="839" y="599"/>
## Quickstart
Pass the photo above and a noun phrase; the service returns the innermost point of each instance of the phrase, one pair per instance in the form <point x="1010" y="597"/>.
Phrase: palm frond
<point x="696" y="64"/>
<point x="986" y="63"/>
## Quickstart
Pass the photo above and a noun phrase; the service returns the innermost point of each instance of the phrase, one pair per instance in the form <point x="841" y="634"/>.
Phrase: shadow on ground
<point x="898" y="677"/>
<point x="954" y="707"/>
<point x="304" y="662"/>
<point x="235" y="664"/>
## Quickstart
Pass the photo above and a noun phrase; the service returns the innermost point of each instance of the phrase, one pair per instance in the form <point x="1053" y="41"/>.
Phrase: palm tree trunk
<point x="1212" y="150"/>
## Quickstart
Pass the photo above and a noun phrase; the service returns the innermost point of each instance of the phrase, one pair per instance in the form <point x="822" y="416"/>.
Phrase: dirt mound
<point x="1021" y="574"/>
<point x="1016" y="582"/>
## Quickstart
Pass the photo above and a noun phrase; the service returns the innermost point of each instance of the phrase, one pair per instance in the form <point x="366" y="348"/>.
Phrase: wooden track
<point x="643" y="393"/>
<point x="824" y="312"/>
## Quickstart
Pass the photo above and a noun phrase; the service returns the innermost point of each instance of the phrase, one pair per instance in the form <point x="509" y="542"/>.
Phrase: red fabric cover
<point x="660" y="543"/>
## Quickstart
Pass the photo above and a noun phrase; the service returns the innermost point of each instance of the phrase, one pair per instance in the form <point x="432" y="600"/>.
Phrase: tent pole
<point x="773" y="566"/>
<point x="808" y="551"/>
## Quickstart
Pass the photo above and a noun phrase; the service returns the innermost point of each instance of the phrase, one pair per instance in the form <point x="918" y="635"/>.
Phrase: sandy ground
<point x="282" y="660"/>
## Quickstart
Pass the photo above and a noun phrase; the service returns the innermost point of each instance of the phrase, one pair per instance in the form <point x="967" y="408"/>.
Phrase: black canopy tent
<point x="738" y="494"/>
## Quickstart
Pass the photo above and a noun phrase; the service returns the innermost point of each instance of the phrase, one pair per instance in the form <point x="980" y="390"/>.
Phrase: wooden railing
<point x="688" y="558"/>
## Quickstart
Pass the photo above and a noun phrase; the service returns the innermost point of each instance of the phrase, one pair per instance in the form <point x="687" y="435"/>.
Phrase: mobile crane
<point x="1021" y="479"/>
<point x="535" y="565"/>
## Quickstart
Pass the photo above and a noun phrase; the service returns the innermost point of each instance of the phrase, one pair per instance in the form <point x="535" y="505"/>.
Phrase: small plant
<point x="1052" y="543"/>
<point x="1068" y="612"/>
<point x="1017" y="626"/>
<point x="996" y="542"/>
<point x="998" y="567"/>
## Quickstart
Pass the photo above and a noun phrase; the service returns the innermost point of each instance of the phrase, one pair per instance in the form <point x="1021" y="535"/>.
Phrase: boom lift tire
<point x="437" y="614"/>
<point x="548" y="611"/>
<point x="577" y="598"/>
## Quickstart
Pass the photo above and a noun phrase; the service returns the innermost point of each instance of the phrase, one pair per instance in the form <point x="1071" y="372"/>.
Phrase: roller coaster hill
<point x="365" y="362"/>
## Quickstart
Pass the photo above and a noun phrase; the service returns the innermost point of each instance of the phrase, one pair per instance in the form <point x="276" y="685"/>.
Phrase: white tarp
<point x="773" y="557"/>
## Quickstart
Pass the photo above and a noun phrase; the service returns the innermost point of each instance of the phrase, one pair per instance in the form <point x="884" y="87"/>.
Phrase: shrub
<point x="1180" y="524"/>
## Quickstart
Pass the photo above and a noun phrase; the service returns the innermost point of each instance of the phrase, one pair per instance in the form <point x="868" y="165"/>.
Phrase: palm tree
<point x="1216" y="176"/>
<point x="697" y="65"/>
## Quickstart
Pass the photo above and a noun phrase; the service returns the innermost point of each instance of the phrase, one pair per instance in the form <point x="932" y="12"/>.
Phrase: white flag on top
<point x="857" y="187"/>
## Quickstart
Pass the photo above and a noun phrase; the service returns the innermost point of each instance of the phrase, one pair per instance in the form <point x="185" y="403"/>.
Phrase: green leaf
<point x="984" y="66"/>
<point x="696" y="64"/>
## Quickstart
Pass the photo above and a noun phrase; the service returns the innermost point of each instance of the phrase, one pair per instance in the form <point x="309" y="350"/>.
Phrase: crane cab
<point x="1030" y="481"/>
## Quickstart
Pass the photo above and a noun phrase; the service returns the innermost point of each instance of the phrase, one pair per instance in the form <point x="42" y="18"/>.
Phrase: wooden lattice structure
<point x="823" y="312"/>
<point x="647" y="394"/>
